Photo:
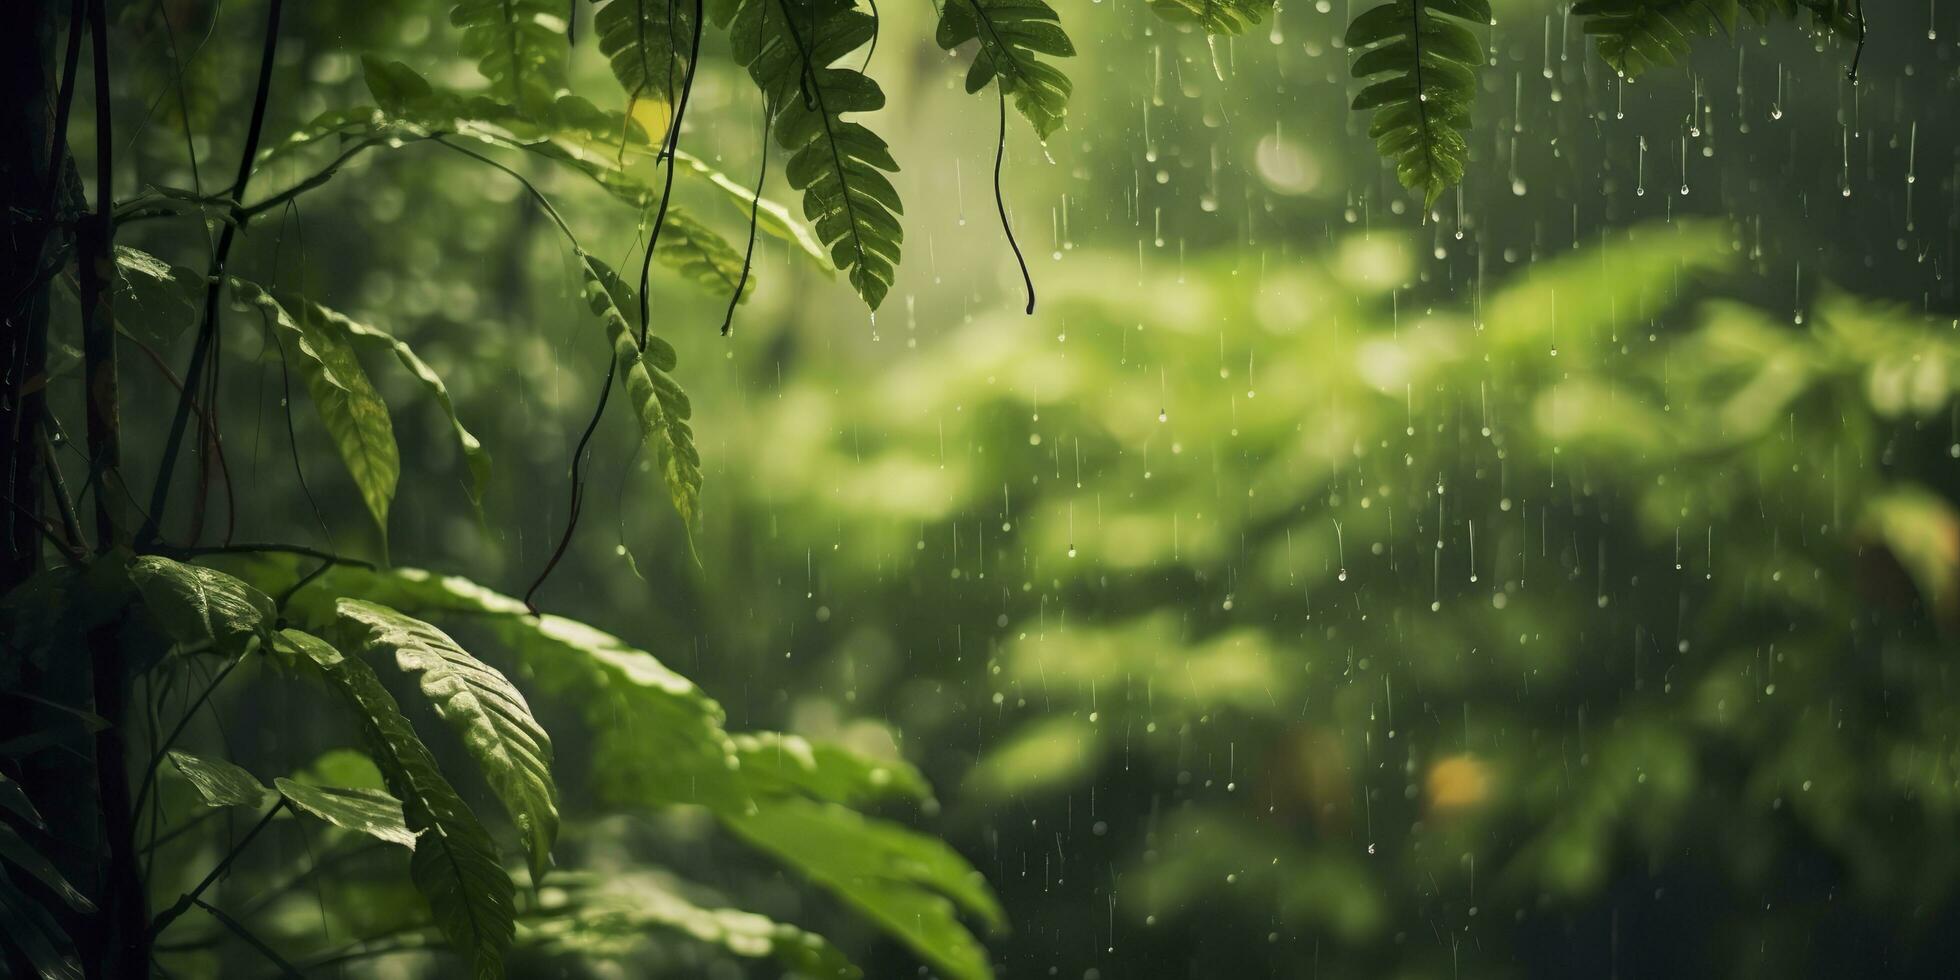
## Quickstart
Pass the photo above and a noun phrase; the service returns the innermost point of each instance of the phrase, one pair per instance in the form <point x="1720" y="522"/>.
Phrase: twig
<point x="258" y="547"/>
<point x="59" y="487"/>
<point x="208" y="329"/>
<point x="251" y="939"/>
<point x="190" y="898"/>
<point x="163" y="747"/>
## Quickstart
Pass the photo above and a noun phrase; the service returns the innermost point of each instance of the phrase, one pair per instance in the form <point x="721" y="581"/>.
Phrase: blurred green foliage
<point x="1560" y="587"/>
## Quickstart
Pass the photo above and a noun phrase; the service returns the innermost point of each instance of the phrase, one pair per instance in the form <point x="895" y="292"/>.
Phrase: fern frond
<point x="1012" y="33"/>
<point x="519" y="45"/>
<point x="840" y="166"/>
<point x="659" y="405"/>
<point x="1213" y="16"/>
<point x="1422" y="108"/>
<point x="648" y="43"/>
<point x="1635" y="35"/>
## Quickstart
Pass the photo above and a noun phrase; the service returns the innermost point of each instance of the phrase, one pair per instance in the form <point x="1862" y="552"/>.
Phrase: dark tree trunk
<point x="27" y="66"/>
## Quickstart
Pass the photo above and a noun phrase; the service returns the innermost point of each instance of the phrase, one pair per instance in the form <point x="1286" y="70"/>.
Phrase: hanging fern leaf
<point x="518" y="45"/>
<point x="1422" y="108"/>
<point x="1012" y="33"/>
<point x="648" y="43"/>
<point x="1635" y="35"/>
<point x="1213" y="16"/>
<point x="476" y="700"/>
<point x="455" y="866"/>
<point x="840" y="166"/>
<point x="659" y="405"/>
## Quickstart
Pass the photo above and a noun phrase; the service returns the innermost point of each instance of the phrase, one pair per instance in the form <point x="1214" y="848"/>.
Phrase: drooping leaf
<point x="1634" y="35"/>
<point x="14" y="800"/>
<point x="1013" y="34"/>
<point x="155" y="301"/>
<point x="659" y="405"/>
<point x="219" y="782"/>
<point x="698" y="252"/>
<point x="363" y="811"/>
<point x="455" y="866"/>
<point x="648" y="43"/>
<point x="913" y="886"/>
<point x="519" y="45"/>
<point x="198" y="606"/>
<point x="839" y="165"/>
<point x="16" y="851"/>
<point x="474" y="455"/>
<point x="480" y="704"/>
<point x="355" y="417"/>
<point x="33" y="934"/>
<point x="1213" y="16"/>
<point x="608" y="916"/>
<point x="1423" y="107"/>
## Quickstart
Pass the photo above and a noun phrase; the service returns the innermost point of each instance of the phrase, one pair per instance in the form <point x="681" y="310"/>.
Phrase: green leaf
<point x="659" y="405"/>
<point x="648" y="43"/>
<point x="353" y="413"/>
<point x="1634" y="35"/>
<point x="1213" y="16"/>
<point x="155" y="301"/>
<point x="771" y="216"/>
<point x="1423" y="107"/>
<point x="395" y="86"/>
<point x="31" y="932"/>
<point x="1012" y="34"/>
<point x="15" y="850"/>
<point x="696" y="251"/>
<point x="839" y="166"/>
<point x="519" y="45"/>
<point x="913" y="886"/>
<point x="480" y="704"/>
<point x="198" y="606"/>
<point x="658" y="740"/>
<point x="363" y="811"/>
<point x="773" y="762"/>
<point x="474" y="455"/>
<point x="613" y="915"/>
<point x="218" y="782"/>
<point x="455" y="866"/>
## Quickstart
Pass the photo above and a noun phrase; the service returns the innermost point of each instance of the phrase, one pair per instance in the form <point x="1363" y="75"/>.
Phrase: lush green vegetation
<point x="1363" y="562"/>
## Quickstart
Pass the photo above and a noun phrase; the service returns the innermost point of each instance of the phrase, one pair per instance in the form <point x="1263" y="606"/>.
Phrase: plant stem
<point x="250" y="938"/>
<point x="188" y="899"/>
<point x="208" y="328"/>
<point x="163" y="747"/>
